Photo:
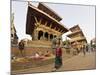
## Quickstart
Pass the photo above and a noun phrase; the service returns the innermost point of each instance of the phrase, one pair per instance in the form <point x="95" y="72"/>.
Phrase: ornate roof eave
<point x="75" y="27"/>
<point x="35" y="8"/>
<point x="79" y="39"/>
<point x="45" y="6"/>
<point x="75" y="33"/>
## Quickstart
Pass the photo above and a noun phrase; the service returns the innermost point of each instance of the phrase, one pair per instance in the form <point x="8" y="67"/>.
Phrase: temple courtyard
<point x="78" y="62"/>
<point x="45" y="29"/>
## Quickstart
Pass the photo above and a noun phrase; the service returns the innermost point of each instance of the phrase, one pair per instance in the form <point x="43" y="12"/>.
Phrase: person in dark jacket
<point x="21" y="47"/>
<point x="84" y="50"/>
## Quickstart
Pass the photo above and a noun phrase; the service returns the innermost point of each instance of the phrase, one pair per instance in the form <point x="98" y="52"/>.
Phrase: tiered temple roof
<point x="49" y="11"/>
<point x="77" y="34"/>
<point x="40" y="13"/>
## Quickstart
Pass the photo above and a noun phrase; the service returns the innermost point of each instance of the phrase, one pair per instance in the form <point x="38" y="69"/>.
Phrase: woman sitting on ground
<point x="47" y="54"/>
<point x="38" y="56"/>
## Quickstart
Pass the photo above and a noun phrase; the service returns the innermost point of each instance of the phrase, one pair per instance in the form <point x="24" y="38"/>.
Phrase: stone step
<point x="39" y="43"/>
<point x="28" y="51"/>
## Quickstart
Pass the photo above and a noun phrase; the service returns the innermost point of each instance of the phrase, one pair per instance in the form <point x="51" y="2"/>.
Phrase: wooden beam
<point x="59" y="29"/>
<point x="45" y="23"/>
<point x="36" y="19"/>
<point x="40" y="20"/>
<point x="54" y="28"/>
<point x="50" y="25"/>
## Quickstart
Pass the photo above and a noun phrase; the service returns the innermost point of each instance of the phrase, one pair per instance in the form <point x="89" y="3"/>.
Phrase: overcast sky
<point x="71" y="14"/>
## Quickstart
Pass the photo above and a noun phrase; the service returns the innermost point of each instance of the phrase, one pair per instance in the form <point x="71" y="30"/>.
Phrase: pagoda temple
<point x="77" y="36"/>
<point x="43" y="25"/>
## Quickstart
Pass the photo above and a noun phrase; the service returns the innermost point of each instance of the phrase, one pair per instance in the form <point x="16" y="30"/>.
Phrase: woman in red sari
<point x="58" y="55"/>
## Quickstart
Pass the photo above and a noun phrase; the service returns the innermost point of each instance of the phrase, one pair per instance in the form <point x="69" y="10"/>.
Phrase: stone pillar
<point x="43" y="36"/>
<point x="49" y="37"/>
<point x="52" y="36"/>
<point x="35" y="35"/>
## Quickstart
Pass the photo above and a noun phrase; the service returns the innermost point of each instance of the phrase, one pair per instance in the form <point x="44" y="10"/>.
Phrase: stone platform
<point x="25" y="63"/>
<point x="29" y="51"/>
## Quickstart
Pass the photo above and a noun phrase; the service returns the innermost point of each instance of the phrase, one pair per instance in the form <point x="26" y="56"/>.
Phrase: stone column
<point x="48" y="37"/>
<point x="35" y="35"/>
<point x="52" y="36"/>
<point x="43" y="38"/>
